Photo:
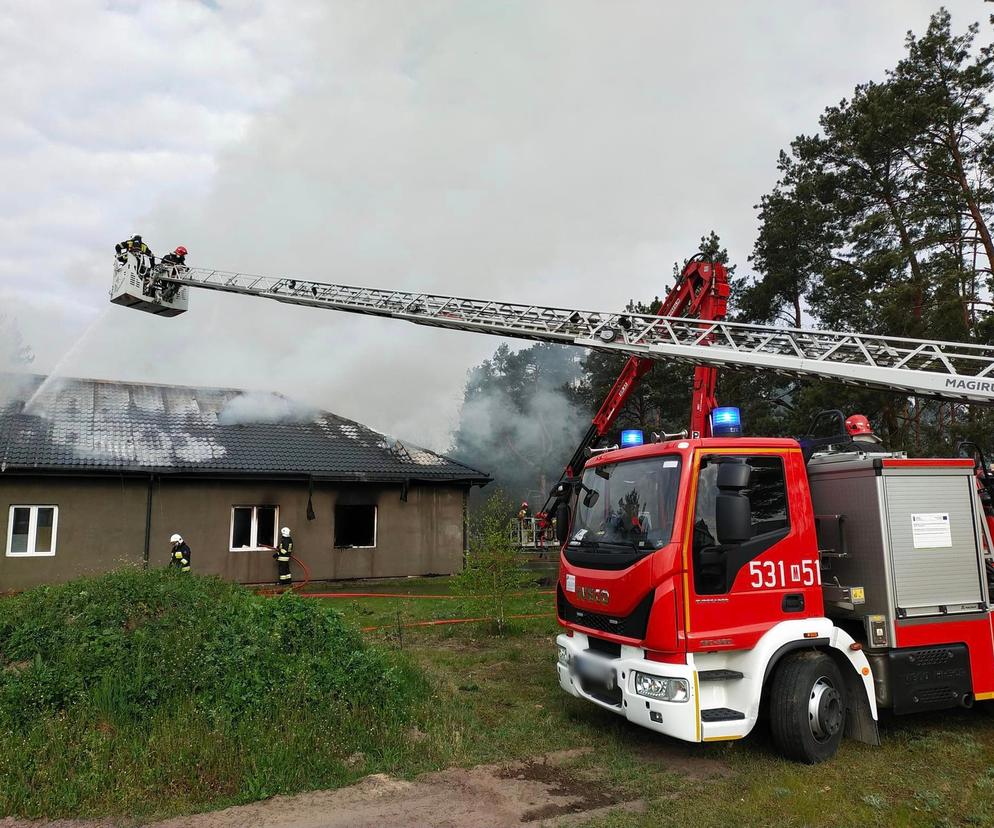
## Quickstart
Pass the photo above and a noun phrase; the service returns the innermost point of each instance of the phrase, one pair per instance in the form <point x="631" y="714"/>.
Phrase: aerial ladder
<point x="954" y="371"/>
<point x="713" y="574"/>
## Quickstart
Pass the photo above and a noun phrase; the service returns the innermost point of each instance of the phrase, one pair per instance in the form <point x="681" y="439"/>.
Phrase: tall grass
<point x="154" y="692"/>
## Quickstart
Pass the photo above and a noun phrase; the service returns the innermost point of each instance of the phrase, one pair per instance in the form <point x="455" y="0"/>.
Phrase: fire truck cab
<point x="704" y="581"/>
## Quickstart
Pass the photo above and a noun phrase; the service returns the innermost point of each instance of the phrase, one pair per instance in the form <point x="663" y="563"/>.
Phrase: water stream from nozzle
<point x="65" y="359"/>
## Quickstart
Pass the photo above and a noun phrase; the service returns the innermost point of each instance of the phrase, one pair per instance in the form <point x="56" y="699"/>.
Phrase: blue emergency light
<point x="632" y="437"/>
<point x="726" y="422"/>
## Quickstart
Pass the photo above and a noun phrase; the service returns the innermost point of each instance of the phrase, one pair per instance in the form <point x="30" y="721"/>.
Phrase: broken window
<point x="31" y="530"/>
<point x="355" y="526"/>
<point x="253" y="527"/>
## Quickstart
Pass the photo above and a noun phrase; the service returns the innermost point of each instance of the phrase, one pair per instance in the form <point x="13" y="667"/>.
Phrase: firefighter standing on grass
<point x="282" y="555"/>
<point x="180" y="558"/>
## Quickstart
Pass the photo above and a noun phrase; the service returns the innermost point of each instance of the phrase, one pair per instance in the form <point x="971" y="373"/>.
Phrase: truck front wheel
<point x="807" y="707"/>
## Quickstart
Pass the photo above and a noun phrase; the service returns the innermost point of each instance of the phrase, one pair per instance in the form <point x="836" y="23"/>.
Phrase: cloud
<point x="521" y="150"/>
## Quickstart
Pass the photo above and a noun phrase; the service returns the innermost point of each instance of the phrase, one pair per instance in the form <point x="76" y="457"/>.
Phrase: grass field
<point x="502" y="701"/>
<point x="464" y="698"/>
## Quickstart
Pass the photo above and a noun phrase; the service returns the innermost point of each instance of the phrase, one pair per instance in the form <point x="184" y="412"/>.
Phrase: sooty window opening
<point x="355" y="526"/>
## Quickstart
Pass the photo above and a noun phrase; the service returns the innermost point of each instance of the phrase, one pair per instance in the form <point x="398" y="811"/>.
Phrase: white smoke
<point x="524" y="449"/>
<point x="496" y="150"/>
<point x="263" y="407"/>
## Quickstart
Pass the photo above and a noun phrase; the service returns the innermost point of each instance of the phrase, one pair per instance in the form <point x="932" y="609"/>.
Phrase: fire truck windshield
<point x="627" y="506"/>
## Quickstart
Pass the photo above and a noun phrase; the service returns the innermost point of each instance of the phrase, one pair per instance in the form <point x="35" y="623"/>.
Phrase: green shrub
<point x="139" y="691"/>
<point x="493" y="571"/>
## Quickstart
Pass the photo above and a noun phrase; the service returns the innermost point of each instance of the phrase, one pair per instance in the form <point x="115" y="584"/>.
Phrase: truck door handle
<point x="793" y="602"/>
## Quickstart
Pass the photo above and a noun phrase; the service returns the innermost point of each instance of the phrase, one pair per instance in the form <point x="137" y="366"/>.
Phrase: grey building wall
<point x="102" y="524"/>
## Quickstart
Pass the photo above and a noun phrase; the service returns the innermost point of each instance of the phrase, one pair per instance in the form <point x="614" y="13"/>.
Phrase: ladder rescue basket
<point x="138" y="286"/>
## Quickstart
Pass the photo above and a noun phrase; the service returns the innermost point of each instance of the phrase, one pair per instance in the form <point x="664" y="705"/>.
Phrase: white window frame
<point x="32" y="530"/>
<point x="376" y="522"/>
<point x="254" y="536"/>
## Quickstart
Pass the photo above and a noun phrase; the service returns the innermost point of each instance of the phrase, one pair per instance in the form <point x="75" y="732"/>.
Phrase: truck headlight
<point x="662" y="688"/>
<point x="563" y="655"/>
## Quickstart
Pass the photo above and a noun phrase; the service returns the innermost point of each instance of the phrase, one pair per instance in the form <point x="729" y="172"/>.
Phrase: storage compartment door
<point x="933" y="544"/>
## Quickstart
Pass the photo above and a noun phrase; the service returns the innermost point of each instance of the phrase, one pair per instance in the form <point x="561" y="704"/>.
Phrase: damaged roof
<point x="68" y="424"/>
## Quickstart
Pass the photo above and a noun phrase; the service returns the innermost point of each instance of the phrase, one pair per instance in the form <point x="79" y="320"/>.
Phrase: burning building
<point x="95" y="475"/>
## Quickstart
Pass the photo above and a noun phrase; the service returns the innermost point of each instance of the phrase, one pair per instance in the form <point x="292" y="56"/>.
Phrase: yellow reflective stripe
<point x="282" y="559"/>
<point x="177" y="555"/>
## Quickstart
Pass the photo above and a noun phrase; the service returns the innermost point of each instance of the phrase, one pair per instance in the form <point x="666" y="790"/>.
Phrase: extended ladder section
<point x="945" y="370"/>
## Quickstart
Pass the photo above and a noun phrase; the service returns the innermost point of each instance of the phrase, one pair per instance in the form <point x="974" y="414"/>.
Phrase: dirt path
<point x="533" y="793"/>
<point x="538" y="792"/>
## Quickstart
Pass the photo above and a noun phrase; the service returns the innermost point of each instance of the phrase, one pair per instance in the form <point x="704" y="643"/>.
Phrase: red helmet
<point x="857" y="425"/>
<point x="180" y="251"/>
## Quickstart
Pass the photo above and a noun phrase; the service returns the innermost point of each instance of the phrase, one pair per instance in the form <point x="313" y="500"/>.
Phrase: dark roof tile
<point x="83" y="424"/>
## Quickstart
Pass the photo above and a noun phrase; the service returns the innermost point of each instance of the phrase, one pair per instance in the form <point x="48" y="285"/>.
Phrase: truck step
<point x="718" y="675"/>
<point x="721" y="714"/>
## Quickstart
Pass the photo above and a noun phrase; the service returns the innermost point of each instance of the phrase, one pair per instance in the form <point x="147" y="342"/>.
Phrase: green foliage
<point x="493" y="571"/>
<point x="880" y="224"/>
<point x="137" y="690"/>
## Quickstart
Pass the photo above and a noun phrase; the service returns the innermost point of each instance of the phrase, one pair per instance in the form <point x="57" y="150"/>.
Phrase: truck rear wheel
<point x="807" y="707"/>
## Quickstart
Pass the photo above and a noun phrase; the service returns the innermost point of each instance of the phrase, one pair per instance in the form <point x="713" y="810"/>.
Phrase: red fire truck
<point x="704" y="581"/>
<point x="713" y="577"/>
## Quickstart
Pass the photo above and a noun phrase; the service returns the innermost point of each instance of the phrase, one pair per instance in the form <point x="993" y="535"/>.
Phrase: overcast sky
<point x="562" y="152"/>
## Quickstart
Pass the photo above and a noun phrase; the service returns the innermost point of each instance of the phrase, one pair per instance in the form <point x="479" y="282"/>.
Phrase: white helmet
<point x="176" y="539"/>
<point x="285" y="531"/>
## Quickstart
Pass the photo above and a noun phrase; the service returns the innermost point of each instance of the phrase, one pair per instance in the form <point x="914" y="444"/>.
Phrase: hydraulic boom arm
<point x="701" y="291"/>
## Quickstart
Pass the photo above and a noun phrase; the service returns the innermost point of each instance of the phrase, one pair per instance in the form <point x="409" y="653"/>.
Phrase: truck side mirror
<point x="562" y="523"/>
<point x="591" y="498"/>
<point x="733" y="476"/>
<point x="733" y="517"/>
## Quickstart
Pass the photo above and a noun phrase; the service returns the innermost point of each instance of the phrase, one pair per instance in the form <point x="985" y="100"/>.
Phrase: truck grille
<point x="632" y="625"/>
<point x="930" y="658"/>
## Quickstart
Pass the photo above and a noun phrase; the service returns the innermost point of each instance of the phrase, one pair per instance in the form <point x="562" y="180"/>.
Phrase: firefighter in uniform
<point x="861" y="433"/>
<point x="175" y="263"/>
<point x="524" y="513"/>
<point x="282" y="556"/>
<point x="138" y="249"/>
<point x="176" y="258"/>
<point x="181" y="554"/>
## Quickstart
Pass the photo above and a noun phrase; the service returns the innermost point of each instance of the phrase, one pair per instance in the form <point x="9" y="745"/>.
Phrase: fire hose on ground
<point x="431" y="623"/>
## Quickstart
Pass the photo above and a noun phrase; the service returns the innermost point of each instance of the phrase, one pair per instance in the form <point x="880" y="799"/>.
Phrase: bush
<point x="493" y="571"/>
<point x="156" y="691"/>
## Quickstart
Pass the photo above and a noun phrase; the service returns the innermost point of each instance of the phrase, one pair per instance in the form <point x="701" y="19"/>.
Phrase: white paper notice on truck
<point x="930" y="530"/>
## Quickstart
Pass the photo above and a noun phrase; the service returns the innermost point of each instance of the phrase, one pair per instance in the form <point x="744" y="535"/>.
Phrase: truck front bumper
<point x="680" y="719"/>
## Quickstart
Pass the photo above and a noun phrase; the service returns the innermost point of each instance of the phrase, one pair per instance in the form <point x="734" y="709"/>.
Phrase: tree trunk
<point x="971" y="202"/>
<point x="909" y="251"/>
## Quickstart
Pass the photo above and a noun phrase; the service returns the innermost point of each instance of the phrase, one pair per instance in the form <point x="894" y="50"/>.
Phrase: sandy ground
<point x="537" y="792"/>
